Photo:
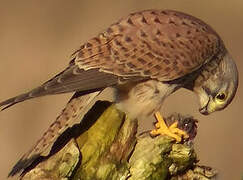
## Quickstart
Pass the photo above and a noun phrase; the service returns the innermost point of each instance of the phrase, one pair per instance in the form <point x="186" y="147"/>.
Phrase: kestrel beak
<point x="204" y="110"/>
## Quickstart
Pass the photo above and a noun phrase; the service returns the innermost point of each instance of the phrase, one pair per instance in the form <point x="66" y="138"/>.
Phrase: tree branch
<point x="111" y="149"/>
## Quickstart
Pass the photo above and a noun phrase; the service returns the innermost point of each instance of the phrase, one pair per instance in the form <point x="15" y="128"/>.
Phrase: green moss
<point x="95" y="142"/>
<point x="151" y="162"/>
<point x="182" y="157"/>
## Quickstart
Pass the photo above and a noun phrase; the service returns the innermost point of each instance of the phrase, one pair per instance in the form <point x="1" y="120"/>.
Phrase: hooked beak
<point x="204" y="110"/>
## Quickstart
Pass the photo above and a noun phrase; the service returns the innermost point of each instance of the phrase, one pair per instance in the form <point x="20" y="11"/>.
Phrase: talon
<point x="157" y="125"/>
<point x="172" y="131"/>
<point x="174" y="125"/>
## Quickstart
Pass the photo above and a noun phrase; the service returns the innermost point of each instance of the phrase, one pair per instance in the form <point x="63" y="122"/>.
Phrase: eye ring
<point x="221" y="96"/>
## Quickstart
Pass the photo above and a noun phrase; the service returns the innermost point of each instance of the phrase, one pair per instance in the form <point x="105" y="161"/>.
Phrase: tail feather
<point x="72" y="115"/>
<point x="44" y="145"/>
<point x="22" y="163"/>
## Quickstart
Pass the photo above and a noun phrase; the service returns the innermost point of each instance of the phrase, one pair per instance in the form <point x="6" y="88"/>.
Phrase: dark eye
<point x="221" y="96"/>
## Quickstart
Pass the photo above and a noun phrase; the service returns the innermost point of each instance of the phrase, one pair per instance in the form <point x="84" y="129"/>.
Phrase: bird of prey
<point x="145" y="57"/>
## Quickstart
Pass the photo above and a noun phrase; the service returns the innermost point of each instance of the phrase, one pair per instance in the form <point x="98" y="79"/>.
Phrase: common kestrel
<point x="145" y="57"/>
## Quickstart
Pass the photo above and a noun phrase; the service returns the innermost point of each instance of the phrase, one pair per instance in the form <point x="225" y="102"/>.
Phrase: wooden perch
<point x="110" y="149"/>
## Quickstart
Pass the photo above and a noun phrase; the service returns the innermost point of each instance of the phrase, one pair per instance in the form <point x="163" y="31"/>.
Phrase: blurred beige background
<point x="37" y="37"/>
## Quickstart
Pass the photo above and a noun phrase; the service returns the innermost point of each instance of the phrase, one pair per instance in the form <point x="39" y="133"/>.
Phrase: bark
<point x="110" y="148"/>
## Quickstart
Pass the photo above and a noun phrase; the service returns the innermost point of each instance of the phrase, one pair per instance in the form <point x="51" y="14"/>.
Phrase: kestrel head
<point x="216" y="87"/>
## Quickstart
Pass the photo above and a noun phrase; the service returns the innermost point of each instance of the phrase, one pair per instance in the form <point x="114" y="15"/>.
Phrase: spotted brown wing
<point x="163" y="45"/>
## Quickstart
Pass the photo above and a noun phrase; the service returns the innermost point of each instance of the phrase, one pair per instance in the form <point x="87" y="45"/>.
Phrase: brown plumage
<point x="145" y="57"/>
<point x="162" y="45"/>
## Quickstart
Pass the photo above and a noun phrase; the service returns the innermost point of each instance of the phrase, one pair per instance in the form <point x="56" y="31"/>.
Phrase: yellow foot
<point x="172" y="131"/>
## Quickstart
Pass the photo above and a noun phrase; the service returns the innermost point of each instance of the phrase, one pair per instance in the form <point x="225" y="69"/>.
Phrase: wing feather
<point x="163" y="45"/>
<point x="71" y="79"/>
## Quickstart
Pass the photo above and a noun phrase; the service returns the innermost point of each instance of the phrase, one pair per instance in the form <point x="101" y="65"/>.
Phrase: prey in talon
<point x="172" y="131"/>
<point x="176" y="126"/>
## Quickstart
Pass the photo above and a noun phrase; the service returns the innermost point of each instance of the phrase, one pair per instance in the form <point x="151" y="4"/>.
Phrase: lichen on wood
<point x="106" y="146"/>
<point x="59" y="166"/>
<point x="110" y="148"/>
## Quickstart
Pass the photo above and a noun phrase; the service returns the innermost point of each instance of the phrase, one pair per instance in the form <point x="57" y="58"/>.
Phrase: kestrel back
<point x="163" y="45"/>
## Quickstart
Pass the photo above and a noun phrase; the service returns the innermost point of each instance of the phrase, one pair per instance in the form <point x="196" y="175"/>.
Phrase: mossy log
<point x="111" y="149"/>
